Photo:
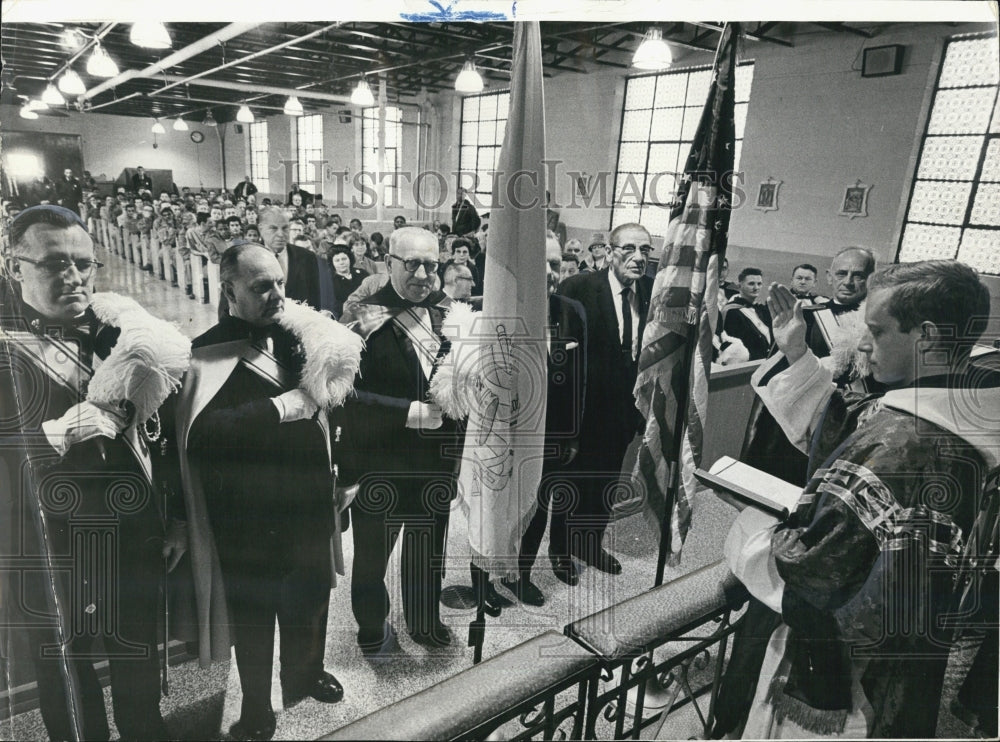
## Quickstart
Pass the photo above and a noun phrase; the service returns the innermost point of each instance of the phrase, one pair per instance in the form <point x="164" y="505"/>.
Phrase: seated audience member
<point x="803" y="283"/>
<point x="727" y="289"/>
<point x="252" y="234"/>
<point x="356" y="226"/>
<point x="346" y="277"/>
<point x="399" y="221"/>
<point x="203" y="240"/>
<point x="235" y="229"/>
<point x="461" y="255"/>
<point x="568" y="266"/>
<point x="358" y="245"/>
<point x="378" y="245"/>
<point x="369" y="286"/>
<point x="457" y="281"/>
<point x="866" y="545"/>
<point x="746" y="320"/>
<point x="574" y="247"/>
<point x="598" y="250"/>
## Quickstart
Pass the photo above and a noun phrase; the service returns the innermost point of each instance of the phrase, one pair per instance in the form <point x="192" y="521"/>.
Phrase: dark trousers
<point x="596" y="484"/>
<point x="299" y="597"/>
<point x="419" y="509"/>
<point x="126" y="622"/>
<point x="554" y="495"/>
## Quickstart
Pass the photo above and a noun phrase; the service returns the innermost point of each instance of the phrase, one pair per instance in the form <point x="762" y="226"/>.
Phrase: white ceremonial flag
<point x="502" y="460"/>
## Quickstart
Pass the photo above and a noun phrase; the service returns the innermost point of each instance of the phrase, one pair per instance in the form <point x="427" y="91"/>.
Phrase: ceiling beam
<point x="845" y="29"/>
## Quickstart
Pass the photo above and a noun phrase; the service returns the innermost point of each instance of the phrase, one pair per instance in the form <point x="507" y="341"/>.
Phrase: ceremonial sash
<point x="266" y="365"/>
<point x="425" y="342"/>
<point x="60" y="361"/>
<point x="759" y="324"/>
<point x="826" y="323"/>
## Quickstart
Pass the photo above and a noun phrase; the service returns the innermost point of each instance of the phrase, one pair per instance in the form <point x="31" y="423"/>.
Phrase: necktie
<point x="626" y="322"/>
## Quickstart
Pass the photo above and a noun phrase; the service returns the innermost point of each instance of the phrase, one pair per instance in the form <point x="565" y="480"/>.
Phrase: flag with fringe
<point x="671" y="389"/>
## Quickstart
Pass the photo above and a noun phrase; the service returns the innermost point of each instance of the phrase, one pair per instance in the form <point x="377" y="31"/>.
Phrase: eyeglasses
<point x="630" y="249"/>
<point x="413" y="265"/>
<point x="58" y="266"/>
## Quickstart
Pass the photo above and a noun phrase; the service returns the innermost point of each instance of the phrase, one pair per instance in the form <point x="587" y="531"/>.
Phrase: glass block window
<point x="369" y="150"/>
<point x="309" y="146"/>
<point x="259" y="155"/>
<point x="954" y="208"/>
<point x="659" y="122"/>
<point x="484" y="121"/>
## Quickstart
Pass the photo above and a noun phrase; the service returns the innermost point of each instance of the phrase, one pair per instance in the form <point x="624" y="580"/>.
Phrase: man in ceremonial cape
<point x="256" y="464"/>
<point x="400" y="450"/>
<point x="83" y="503"/>
<point x="863" y="572"/>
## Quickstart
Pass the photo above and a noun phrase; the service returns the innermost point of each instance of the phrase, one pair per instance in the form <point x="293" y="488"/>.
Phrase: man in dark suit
<point x="81" y="527"/>
<point x="244" y="188"/>
<point x="398" y="448"/>
<point x="464" y="217"/>
<point x="69" y="192"/>
<point x="298" y="263"/>
<point x="746" y="319"/>
<point x="616" y="302"/>
<point x="259" y="460"/>
<point x="306" y="196"/>
<point x="566" y="372"/>
<point x="141" y="182"/>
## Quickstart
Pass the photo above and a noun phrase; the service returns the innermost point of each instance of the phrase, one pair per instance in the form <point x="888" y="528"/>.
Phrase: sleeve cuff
<point x="280" y="407"/>
<point x="56" y="436"/>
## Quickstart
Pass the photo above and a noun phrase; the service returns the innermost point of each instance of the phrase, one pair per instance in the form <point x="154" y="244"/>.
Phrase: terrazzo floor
<point x="204" y="703"/>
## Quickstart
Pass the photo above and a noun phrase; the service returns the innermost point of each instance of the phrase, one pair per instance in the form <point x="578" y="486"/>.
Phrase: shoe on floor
<point x="372" y="640"/>
<point x="325" y="689"/>
<point x="603" y="561"/>
<point x="437" y="637"/>
<point x="565" y="570"/>
<point x="525" y="590"/>
<point x="262" y="729"/>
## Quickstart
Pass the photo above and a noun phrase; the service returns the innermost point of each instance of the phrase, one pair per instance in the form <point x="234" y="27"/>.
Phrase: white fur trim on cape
<point x="147" y="362"/>
<point x="332" y="352"/>
<point x="735" y="352"/>
<point x="457" y="378"/>
<point x="844" y="341"/>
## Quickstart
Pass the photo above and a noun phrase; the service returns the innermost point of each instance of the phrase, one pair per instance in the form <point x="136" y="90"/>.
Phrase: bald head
<point x="254" y="284"/>
<point x="848" y="274"/>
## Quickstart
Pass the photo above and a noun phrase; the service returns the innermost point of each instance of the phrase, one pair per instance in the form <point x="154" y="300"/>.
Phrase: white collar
<point x="616" y="285"/>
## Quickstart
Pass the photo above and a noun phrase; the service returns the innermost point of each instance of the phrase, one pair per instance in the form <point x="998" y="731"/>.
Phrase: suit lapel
<point x="606" y="310"/>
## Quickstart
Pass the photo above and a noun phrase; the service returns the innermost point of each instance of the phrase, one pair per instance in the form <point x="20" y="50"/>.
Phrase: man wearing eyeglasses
<point x="616" y="302"/>
<point x="397" y="447"/>
<point x="75" y="472"/>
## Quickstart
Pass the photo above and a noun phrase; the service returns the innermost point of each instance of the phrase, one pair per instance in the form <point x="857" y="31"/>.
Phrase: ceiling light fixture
<point x="72" y="38"/>
<point x="653" y="53"/>
<point x="158" y="128"/>
<point x="150" y="34"/>
<point x="52" y="96"/>
<point x="71" y="84"/>
<point x="180" y="124"/>
<point x="362" y="94"/>
<point x="245" y="115"/>
<point x="293" y="107"/>
<point x="469" y="80"/>
<point x="100" y="64"/>
<point x="209" y="120"/>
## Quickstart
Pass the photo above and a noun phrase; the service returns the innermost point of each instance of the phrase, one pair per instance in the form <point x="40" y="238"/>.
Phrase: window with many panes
<point x="309" y="143"/>
<point x="259" y="155"/>
<point x="659" y="122"/>
<point x="393" y="143"/>
<point x="484" y="120"/>
<point x="954" y="208"/>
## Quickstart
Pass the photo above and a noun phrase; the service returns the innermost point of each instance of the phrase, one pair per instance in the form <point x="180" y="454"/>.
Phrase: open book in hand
<point x="750" y="486"/>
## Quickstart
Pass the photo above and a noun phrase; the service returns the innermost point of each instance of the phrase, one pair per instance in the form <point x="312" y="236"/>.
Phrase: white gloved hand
<point x="82" y="422"/>
<point x="423" y="416"/>
<point x="295" y="405"/>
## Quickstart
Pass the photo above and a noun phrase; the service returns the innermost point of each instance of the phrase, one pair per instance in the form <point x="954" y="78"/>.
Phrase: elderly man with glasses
<point x="397" y="447"/>
<point x="616" y="302"/>
<point x="81" y="493"/>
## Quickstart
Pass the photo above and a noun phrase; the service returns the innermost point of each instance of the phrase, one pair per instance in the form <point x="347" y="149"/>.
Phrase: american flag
<point x="671" y="390"/>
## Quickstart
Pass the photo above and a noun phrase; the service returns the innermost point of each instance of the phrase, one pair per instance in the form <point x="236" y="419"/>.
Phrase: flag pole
<point x="675" y="361"/>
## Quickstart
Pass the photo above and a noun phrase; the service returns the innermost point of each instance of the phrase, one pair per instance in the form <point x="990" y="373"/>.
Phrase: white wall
<point x="112" y="143"/>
